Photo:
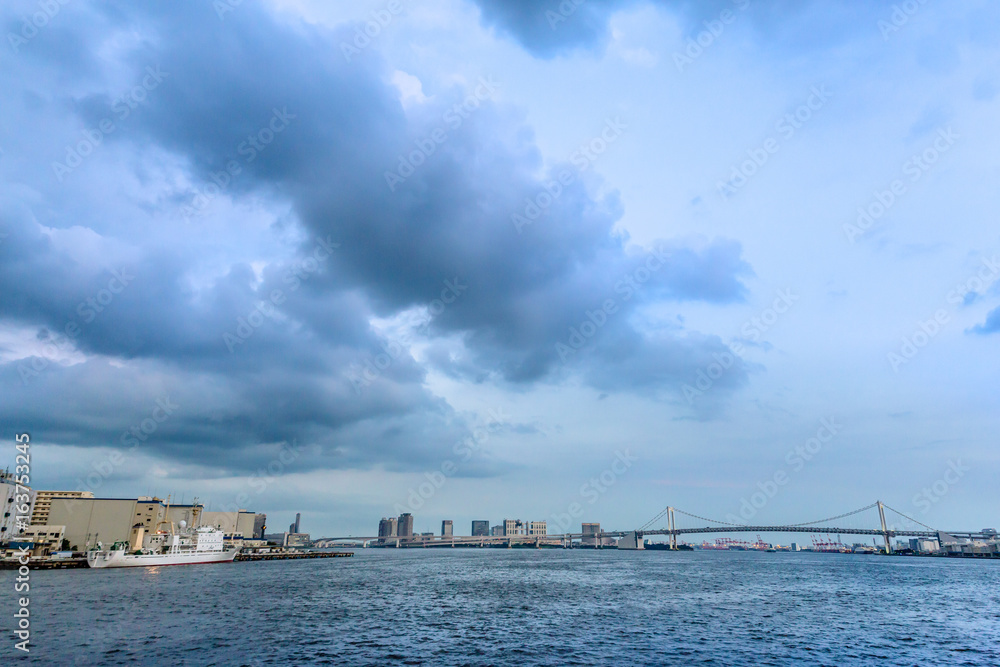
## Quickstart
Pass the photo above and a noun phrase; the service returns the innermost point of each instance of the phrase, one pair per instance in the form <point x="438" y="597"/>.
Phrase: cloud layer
<point x="229" y="215"/>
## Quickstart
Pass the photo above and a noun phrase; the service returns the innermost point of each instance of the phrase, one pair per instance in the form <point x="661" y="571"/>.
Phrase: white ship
<point x="202" y="545"/>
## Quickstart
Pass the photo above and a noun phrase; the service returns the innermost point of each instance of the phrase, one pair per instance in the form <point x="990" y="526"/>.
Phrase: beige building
<point x="43" y="504"/>
<point x="189" y="514"/>
<point x="105" y="520"/>
<point x="47" y="539"/>
<point x="537" y="528"/>
<point x="108" y="520"/>
<point x="240" y="523"/>
<point x="513" y="527"/>
<point x="591" y="531"/>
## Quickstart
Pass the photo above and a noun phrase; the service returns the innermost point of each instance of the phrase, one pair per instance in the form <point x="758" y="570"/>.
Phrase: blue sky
<point x="464" y="263"/>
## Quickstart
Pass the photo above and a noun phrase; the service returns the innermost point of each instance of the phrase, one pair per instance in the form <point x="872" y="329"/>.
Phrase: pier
<point x="289" y="555"/>
<point x="71" y="563"/>
<point x="44" y="563"/>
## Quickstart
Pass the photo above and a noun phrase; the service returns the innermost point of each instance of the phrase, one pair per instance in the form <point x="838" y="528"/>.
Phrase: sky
<point x="476" y="259"/>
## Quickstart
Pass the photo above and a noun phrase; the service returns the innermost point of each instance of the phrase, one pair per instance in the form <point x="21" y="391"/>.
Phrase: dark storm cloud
<point x="303" y="126"/>
<point x="554" y="27"/>
<point x="448" y="221"/>
<point x="548" y="28"/>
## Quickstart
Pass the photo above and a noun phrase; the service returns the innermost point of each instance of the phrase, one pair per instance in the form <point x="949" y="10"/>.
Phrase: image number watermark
<point x="22" y="516"/>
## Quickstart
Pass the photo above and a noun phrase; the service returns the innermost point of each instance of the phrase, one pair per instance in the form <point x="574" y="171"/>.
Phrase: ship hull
<point x="102" y="559"/>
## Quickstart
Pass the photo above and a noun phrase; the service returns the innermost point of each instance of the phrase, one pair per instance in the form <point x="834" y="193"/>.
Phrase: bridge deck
<point x="824" y="530"/>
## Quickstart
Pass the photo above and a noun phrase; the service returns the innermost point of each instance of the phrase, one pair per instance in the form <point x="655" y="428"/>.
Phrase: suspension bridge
<point x="889" y="524"/>
<point x="903" y="526"/>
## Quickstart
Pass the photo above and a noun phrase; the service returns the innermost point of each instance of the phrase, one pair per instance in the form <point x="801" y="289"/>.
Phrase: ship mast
<point x="166" y="515"/>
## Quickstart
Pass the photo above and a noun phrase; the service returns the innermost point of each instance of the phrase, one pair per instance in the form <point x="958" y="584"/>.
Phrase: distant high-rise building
<point x="446" y="528"/>
<point x="259" y="526"/>
<point x="513" y="527"/>
<point x="480" y="528"/>
<point x="496" y="531"/>
<point x="590" y="534"/>
<point x="387" y="527"/>
<point x="537" y="528"/>
<point x="404" y="528"/>
<point x="294" y="526"/>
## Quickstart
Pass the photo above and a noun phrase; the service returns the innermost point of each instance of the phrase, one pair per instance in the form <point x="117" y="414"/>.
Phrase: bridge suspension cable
<point x="909" y="517"/>
<point x="790" y="525"/>
<point x="839" y="516"/>
<point x="654" y="519"/>
<point x="695" y="516"/>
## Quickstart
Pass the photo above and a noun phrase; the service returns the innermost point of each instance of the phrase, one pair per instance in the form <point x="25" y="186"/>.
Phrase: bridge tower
<point x="885" y="531"/>
<point x="673" y="528"/>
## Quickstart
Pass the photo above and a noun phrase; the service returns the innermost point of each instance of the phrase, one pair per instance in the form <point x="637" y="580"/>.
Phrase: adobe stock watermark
<point x="363" y="375"/>
<point x="223" y="7"/>
<point x="249" y="149"/>
<point x="88" y="310"/>
<point x="900" y="16"/>
<point x="566" y="9"/>
<point x="932" y="495"/>
<point x="796" y="460"/>
<point x="713" y="30"/>
<point x="122" y="107"/>
<point x="365" y="35"/>
<point x="22" y="516"/>
<point x="752" y="329"/>
<point x="914" y="168"/>
<point x="31" y="25"/>
<point x="581" y="158"/>
<point x="104" y="468"/>
<point x="786" y="127"/>
<point x="264" y="477"/>
<point x="466" y="448"/>
<point x="427" y="145"/>
<point x="592" y="490"/>
<point x="594" y="320"/>
<point x="301" y="270"/>
<point x="926" y="330"/>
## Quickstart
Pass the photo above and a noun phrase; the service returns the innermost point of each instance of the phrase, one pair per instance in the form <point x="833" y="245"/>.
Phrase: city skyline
<point x="733" y="256"/>
<point x="500" y="332"/>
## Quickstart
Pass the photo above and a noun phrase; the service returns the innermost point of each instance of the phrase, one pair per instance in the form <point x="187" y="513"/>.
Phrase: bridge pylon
<point x="885" y="531"/>
<point x="673" y="528"/>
